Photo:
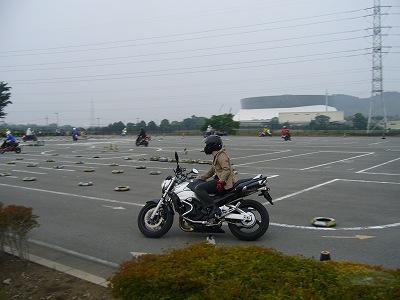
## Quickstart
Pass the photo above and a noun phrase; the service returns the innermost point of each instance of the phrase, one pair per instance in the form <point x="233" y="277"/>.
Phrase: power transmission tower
<point x="377" y="80"/>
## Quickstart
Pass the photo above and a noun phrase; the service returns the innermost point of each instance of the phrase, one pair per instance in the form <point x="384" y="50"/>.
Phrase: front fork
<point x="159" y="202"/>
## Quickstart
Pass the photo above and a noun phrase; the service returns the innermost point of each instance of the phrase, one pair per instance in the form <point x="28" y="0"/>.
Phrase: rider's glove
<point x="220" y="185"/>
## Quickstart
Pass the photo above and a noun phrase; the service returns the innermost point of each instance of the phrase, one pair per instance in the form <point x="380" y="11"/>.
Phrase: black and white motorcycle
<point x="247" y="219"/>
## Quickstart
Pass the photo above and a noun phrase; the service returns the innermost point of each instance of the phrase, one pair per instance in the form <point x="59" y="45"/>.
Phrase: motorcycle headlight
<point x="165" y="184"/>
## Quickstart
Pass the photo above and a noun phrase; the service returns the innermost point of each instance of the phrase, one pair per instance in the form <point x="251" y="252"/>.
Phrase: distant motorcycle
<point x="14" y="147"/>
<point x="31" y="137"/>
<point x="286" y="137"/>
<point x="208" y="133"/>
<point x="215" y="132"/>
<point x="264" y="134"/>
<point x="142" y="141"/>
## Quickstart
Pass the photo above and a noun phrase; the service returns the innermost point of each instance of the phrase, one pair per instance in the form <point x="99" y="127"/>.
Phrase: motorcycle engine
<point x="192" y="209"/>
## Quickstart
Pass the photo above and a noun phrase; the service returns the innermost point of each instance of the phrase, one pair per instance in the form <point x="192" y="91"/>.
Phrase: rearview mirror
<point x="176" y="157"/>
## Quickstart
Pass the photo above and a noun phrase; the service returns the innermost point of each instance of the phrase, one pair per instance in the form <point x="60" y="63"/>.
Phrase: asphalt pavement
<point x="85" y="223"/>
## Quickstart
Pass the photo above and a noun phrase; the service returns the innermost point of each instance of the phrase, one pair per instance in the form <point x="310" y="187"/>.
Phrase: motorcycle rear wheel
<point x="157" y="227"/>
<point x="252" y="230"/>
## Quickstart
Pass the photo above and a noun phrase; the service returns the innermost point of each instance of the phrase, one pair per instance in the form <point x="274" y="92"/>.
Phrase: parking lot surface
<point x="353" y="180"/>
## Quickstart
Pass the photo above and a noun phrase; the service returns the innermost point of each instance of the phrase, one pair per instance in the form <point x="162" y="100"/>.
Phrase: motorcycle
<point x="144" y="141"/>
<point x="75" y="137"/>
<point x="14" y="147"/>
<point x="247" y="219"/>
<point x="264" y="134"/>
<point x="286" y="137"/>
<point x="31" y="137"/>
<point x="215" y="132"/>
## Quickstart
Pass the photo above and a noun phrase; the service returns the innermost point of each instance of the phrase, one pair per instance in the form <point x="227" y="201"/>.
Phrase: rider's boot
<point x="211" y="211"/>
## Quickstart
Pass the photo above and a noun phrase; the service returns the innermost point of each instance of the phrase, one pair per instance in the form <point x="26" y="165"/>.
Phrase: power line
<point x="173" y="41"/>
<point x="226" y="67"/>
<point x="185" y="57"/>
<point x="234" y="82"/>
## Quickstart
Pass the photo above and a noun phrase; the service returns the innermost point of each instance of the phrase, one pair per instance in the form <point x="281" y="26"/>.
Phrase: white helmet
<point x="8" y="132"/>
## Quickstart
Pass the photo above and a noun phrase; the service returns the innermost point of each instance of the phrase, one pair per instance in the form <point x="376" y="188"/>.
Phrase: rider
<point x="142" y="135"/>
<point x="285" y="132"/>
<point x="223" y="179"/>
<point x="10" y="139"/>
<point x="75" y="134"/>
<point x="266" y="131"/>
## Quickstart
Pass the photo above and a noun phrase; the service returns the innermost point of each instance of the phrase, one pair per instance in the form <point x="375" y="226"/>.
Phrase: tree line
<point x="223" y="122"/>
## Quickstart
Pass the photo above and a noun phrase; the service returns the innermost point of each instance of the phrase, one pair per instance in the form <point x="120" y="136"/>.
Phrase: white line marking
<point x="272" y="159"/>
<point x="372" y="227"/>
<point x="67" y="170"/>
<point x="300" y="227"/>
<point x="323" y="228"/>
<point x="388" y="162"/>
<point x="72" y="195"/>
<point x="369" y="181"/>
<point x="388" y="174"/>
<point x="263" y="154"/>
<point x="22" y="171"/>
<point x="304" y="190"/>
<point x="337" y="229"/>
<point x="337" y="161"/>
<point x="377" y="143"/>
<point x="74" y="253"/>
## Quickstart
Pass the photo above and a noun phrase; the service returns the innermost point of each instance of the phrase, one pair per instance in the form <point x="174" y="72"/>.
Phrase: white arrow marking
<point x="114" y="207"/>
<point x="136" y="254"/>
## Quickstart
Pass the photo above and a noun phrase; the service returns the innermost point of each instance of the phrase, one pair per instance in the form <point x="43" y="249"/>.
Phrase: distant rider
<point x="285" y="132"/>
<point x="10" y="139"/>
<point x="209" y="131"/>
<point x="75" y="134"/>
<point x="141" y="135"/>
<point x="222" y="172"/>
<point x="266" y="131"/>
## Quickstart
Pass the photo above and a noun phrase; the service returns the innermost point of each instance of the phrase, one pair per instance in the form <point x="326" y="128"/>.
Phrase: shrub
<point x="16" y="222"/>
<point x="206" y="271"/>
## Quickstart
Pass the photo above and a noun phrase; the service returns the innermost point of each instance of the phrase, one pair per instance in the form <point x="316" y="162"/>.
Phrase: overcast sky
<point x="96" y="62"/>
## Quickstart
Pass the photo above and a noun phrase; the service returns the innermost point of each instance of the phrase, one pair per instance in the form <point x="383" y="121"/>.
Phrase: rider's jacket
<point x="10" y="137"/>
<point x="221" y="167"/>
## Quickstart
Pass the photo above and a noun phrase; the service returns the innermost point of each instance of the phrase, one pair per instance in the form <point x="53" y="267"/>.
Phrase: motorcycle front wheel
<point x="159" y="225"/>
<point x="255" y="228"/>
<point x="17" y="150"/>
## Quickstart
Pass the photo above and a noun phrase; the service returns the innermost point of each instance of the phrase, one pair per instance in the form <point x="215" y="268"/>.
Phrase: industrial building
<point x="296" y="109"/>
